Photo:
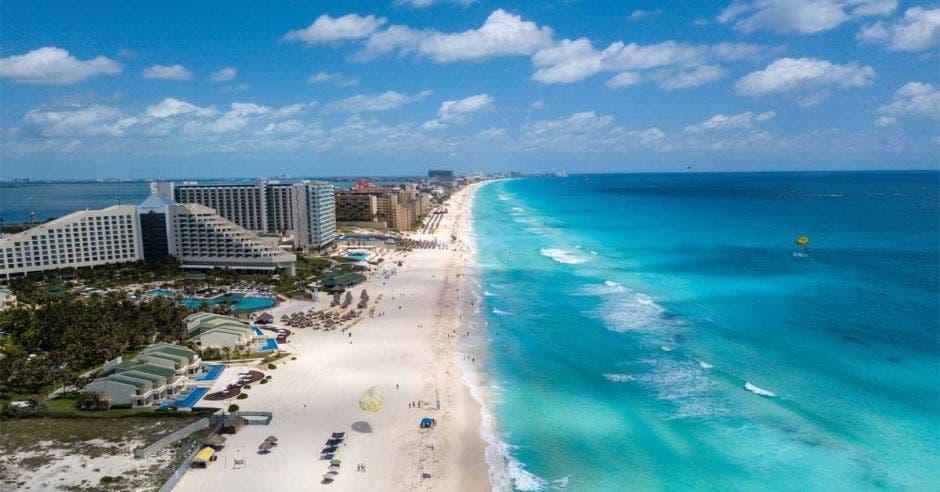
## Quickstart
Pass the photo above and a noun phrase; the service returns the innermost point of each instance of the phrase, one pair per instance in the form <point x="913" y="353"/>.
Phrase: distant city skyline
<point x="396" y="87"/>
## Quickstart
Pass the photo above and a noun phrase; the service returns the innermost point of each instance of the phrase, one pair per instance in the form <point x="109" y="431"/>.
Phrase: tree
<point x="93" y="401"/>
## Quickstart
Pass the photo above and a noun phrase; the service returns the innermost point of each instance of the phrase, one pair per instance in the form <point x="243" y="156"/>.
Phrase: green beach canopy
<point x="371" y="400"/>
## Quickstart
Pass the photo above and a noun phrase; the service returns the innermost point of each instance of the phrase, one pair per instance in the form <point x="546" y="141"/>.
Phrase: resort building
<point x="81" y="239"/>
<point x="209" y="330"/>
<point x="203" y="239"/>
<point x="183" y="361"/>
<point x="156" y="229"/>
<point x="243" y="204"/>
<point x="314" y="210"/>
<point x="123" y="390"/>
<point x="383" y="207"/>
<point x="304" y="209"/>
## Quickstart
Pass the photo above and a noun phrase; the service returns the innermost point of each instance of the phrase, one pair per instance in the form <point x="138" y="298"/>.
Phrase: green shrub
<point x="246" y="387"/>
<point x="232" y="408"/>
<point x="105" y="480"/>
<point x="241" y="396"/>
<point x="272" y="366"/>
<point x="263" y="381"/>
<point x="93" y="401"/>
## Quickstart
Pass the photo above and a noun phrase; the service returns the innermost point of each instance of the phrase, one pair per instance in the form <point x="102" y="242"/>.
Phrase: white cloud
<point x="170" y="107"/>
<point x="336" y="78"/>
<point x="420" y="4"/>
<point x="800" y="16"/>
<point x="51" y="65"/>
<point x="623" y="79"/>
<point x="571" y="61"/>
<point x="94" y="121"/>
<point x="224" y="75"/>
<point x="918" y="30"/>
<point x="794" y="75"/>
<point x="167" y="72"/>
<point x="722" y="122"/>
<point x="700" y="75"/>
<point x="491" y="133"/>
<point x="455" y="111"/>
<point x="385" y="101"/>
<point x="913" y="99"/>
<point x="502" y="34"/>
<point x="328" y="29"/>
<point x="577" y="123"/>
<point x="639" y="14"/>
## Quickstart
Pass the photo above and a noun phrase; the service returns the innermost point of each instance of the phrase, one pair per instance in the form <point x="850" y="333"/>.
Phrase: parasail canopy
<point x="802" y="241"/>
<point x="371" y="400"/>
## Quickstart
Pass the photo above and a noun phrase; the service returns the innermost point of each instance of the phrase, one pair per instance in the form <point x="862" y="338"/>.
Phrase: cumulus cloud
<point x="571" y="61"/>
<point x="51" y="65"/>
<point x="167" y="72"/>
<point x="577" y="123"/>
<point x="361" y="103"/>
<point x="799" y="75"/>
<point x="170" y="107"/>
<point x="93" y="121"/>
<point x="623" y="79"/>
<point x="335" y="78"/>
<point x="912" y="99"/>
<point x="800" y="16"/>
<point x="918" y="30"/>
<point x="224" y="75"/>
<point x="328" y="29"/>
<point x="639" y="14"/>
<point x="455" y="111"/>
<point x="420" y="4"/>
<point x="721" y="122"/>
<point x="502" y="34"/>
<point x="698" y="76"/>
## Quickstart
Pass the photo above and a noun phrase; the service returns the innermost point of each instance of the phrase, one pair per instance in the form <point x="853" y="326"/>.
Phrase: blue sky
<point x="161" y="89"/>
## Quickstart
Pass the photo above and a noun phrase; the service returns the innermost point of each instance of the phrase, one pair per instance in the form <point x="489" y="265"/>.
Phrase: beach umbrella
<point x="265" y="446"/>
<point x="335" y="462"/>
<point x="271" y="439"/>
<point x="372" y="399"/>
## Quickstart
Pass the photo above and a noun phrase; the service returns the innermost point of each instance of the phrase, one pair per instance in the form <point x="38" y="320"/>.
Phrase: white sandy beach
<point x="409" y="350"/>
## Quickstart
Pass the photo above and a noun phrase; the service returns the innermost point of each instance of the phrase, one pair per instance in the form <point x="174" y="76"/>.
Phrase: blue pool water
<point x="160" y="293"/>
<point x="211" y="372"/>
<point x="187" y="399"/>
<point x="239" y="302"/>
<point x="358" y="255"/>
<point x="268" y="345"/>
<point x="628" y="314"/>
<point x="257" y="331"/>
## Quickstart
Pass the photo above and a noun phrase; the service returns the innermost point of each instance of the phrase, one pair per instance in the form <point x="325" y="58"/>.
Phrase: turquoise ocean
<point x="657" y="332"/>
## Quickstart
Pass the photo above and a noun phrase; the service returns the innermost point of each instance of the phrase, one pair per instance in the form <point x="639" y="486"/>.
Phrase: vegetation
<point x="93" y="401"/>
<point x="54" y="343"/>
<point x="241" y="396"/>
<point x="309" y="268"/>
<point x="232" y="408"/>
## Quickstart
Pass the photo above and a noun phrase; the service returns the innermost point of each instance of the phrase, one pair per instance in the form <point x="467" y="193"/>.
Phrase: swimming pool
<point x="257" y="331"/>
<point x="239" y="302"/>
<point x="211" y="372"/>
<point x="268" y="345"/>
<point x="185" y="400"/>
<point x="358" y="255"/>
<point x="160" y="293"/>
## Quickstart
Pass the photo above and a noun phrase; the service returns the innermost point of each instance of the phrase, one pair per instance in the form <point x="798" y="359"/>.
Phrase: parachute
<point x="802" y="241"/>
<point x="372" y="399"/>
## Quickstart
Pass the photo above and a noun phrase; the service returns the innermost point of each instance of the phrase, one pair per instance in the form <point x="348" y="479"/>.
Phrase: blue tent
<point x="426" y="423"/>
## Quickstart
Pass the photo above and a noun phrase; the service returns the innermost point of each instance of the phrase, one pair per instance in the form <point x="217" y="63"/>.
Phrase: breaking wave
<point x="562" y="256"/>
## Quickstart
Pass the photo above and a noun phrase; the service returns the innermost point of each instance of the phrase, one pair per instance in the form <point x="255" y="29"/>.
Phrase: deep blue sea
<point x="657" y="332"/>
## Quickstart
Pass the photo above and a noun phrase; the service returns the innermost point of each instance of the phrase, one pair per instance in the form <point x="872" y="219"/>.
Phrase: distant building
<point x="209" y="330"/>
<point x="398" y="209"/>
<point x="442" y="177"/>
<point x="7" y="299"/>
<point x="243" y="204"/>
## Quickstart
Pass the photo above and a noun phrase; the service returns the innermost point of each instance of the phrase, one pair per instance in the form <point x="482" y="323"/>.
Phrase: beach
<point x="408" y="349"/>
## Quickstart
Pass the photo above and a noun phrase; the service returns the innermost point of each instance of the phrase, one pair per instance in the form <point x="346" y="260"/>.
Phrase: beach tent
<point x="372" y="399"/>
<point x="427" y="423"/>
<point x="265" y="319"/>
<point x="203" y="457"/>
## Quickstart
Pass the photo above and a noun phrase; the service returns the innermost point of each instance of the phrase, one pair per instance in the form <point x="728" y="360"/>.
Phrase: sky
<point x="114" y="89"/>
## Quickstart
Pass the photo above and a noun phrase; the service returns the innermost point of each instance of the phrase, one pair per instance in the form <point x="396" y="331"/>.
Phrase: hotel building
<point x="158" y="228"/>
<point x="243" y="204"/>
<point x="397" y="209"/>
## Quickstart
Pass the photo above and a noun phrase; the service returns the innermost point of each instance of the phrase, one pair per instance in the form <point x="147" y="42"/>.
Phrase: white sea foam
<point x="704" y="365"/>
<point x="618" y="378"/>
<point x="667" y="348"/>
<point x="624" y="310"/>
<point x="518" y="209"/>
<point x="562" y="256"/>
<point x="502" y="313"/>
<point x="758" y="391"/>
<point x="594" y="252"/>
<point x="502" y="197"/>
<point x="488" y="293"/>
<point x="577" y="246"/>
